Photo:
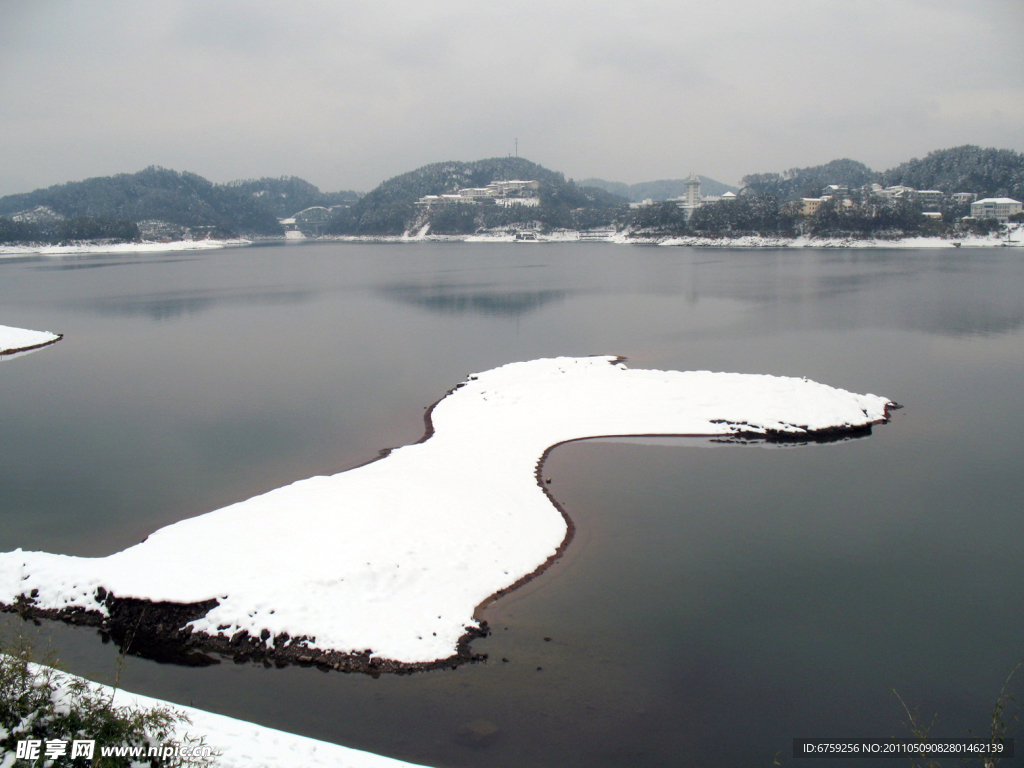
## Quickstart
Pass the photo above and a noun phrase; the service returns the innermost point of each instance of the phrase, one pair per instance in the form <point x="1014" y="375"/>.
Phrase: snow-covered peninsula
<point x="20" y="340"/>
<point x="389" y="561"/>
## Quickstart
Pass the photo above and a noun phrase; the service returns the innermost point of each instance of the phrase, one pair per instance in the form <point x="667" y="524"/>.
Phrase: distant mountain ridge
<point x="164" y="204"/>
<point x="664" y="189"/>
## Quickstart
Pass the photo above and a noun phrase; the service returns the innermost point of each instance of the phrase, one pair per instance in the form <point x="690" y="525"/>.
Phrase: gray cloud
<point x="346" y="95"/>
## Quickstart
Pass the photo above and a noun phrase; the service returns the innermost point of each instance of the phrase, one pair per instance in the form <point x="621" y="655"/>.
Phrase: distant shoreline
<point x="1014" y="238"/>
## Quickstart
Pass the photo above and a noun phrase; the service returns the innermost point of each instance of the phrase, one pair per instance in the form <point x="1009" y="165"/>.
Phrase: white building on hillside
<point x="496" y="192"/>
<point x="475" y="192"/>
<point x="810" y="205"/>
<point x="896" y="192"/>
<point x="1001" y="208"/>
<point x="512" y="187"/>
<point x="931" y="198"/>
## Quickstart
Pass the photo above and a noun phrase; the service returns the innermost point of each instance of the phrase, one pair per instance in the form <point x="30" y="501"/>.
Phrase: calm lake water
<point x="717" y="602"/>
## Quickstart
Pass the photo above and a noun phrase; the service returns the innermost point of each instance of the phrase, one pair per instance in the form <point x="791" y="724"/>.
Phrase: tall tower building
<point x="692" y="192"/>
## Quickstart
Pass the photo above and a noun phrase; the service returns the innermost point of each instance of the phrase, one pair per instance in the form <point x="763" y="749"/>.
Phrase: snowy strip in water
<point x="118" y="248"/>
<point x="394" y="556"/>
<point x="14" y="340"/>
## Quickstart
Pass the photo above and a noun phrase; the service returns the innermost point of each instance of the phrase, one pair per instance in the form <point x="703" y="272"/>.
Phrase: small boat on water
<point x="526" y="237"/>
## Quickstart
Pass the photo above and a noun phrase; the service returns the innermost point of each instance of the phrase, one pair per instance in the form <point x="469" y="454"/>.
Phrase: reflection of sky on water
<point x="927" y="291"/>
<point x="942" y="292"/>
<point x="908" y="290"/>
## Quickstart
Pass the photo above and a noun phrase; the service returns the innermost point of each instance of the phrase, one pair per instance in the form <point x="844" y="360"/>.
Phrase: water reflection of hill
<point x="65" y="264"/>
<point x="473" y="299"/>
<point x="170" y="306"/>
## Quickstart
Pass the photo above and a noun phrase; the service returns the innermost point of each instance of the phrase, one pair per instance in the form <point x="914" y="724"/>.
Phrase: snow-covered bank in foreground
<point x="14" y="340"/>
<point x="394" y="556"/>
<point x="144" y="247"/>
<point x="241" y="744"/>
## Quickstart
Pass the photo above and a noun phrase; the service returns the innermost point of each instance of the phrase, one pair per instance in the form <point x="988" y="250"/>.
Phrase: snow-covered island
<point x="20" y="340"/>
<point x="383" y="567"/>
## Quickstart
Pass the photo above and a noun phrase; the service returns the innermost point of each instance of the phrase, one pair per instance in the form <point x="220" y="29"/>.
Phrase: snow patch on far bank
<point x="144" y="247"/>
<point x="1014" y="237"/>
<point x="14" y="340"/>
<point x="395" y="556"/>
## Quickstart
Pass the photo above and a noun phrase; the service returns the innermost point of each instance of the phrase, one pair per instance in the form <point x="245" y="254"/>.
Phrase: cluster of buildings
<point x="511" y="192"/>
<point x="931" y="200"/>
<point x="692" y="199"/>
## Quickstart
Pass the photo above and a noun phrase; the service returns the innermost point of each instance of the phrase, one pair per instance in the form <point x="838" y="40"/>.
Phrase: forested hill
<point x="663" y="189"/>
<point x="989" y="172"/>
<point x="184" y="199"/>
<point x="985" y="172"/>
<point x="390" y="209"/>
<point x="287" y="195"/>
<point x="808" y="182"/>
<point x="181" y="203"/>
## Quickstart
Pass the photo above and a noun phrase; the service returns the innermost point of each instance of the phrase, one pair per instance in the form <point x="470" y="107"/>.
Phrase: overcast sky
<point x="347" y="94"/>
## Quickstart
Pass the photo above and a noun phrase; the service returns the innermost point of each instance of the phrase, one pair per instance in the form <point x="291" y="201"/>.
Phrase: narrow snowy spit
<point x="19" y="340"/>
<point x="86" y="247"/>
<point x="389" y="561"/>
<point x="235" y="743"/>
